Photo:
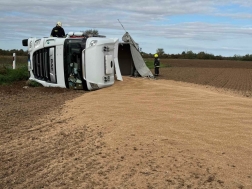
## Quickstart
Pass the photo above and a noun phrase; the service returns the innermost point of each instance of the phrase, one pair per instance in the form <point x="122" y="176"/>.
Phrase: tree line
<point x="192" y="55"/>
<point x="160" y="52"/>
<point x="20" y="52"/>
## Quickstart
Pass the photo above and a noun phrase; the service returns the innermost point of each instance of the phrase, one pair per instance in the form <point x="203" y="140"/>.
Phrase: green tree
<point x="92" y="32"/>
<point x="201" y="55"/>
<point x="160" y="51"/>
<point x="190" y="55"/>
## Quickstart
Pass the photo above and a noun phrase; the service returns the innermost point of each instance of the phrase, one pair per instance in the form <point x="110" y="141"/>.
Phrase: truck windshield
<point x="73" y="63"/>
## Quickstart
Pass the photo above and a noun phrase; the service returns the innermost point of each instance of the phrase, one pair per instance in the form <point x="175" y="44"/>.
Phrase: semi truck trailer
<point x="83" y="62"/>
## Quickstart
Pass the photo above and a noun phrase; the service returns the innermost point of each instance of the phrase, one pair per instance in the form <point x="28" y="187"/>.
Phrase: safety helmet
<point x="59" y="24"/>
<point x="156" y="55"/>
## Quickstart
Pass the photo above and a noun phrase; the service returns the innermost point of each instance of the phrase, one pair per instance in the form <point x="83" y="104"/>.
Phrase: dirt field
<point x="8" y="60"/>
<point x="140" y="133"/>
<point x="225" y="75"/>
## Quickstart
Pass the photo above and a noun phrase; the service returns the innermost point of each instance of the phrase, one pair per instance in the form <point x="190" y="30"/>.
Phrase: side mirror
<point x="25" y="42"/>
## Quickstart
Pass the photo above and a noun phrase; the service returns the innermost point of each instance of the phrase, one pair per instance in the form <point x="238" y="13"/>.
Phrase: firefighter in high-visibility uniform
<point x="156" y="64"/>
<point x="58" y="31"/>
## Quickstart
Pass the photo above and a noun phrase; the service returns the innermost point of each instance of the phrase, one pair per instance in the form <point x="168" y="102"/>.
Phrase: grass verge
<point x="150" y="64"/>
<point x="8" y="75"/>
<point x="31" y="83"/>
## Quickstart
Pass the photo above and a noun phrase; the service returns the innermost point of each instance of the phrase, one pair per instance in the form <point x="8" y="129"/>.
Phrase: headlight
<point x="93" y="43"/>
<point x="94" y="86"/>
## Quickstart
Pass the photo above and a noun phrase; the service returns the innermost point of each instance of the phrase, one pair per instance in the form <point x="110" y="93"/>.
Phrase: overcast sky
<point x="221" y="27"/>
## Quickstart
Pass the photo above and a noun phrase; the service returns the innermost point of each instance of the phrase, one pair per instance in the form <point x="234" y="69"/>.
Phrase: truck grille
<point x="43" y="63"/>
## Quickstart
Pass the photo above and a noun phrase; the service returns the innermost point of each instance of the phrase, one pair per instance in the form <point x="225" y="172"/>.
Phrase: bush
<point x="8" y="75"/>
<point x="3" y="70"/>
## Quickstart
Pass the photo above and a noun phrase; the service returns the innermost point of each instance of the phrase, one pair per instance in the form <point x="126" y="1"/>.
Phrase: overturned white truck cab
<point x="76" y="62"/>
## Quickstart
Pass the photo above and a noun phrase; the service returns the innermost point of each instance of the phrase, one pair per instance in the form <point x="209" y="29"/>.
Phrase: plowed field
<point x="139" y="133"/>
<point x="225" y="75"/>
